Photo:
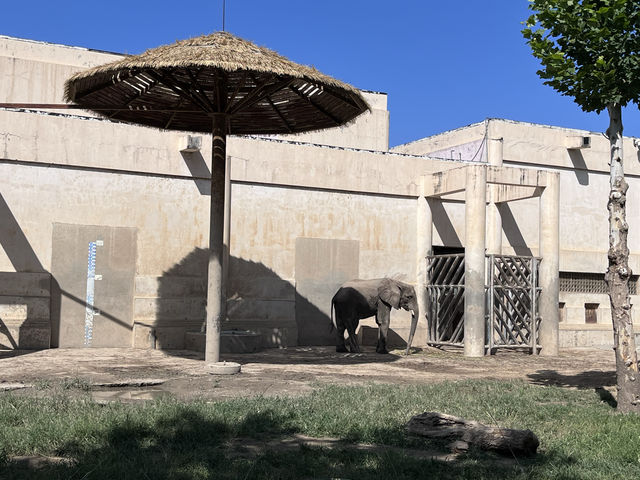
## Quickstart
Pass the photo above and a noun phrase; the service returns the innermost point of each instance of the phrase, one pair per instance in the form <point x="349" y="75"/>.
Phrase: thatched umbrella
<point x="216" y="84"/>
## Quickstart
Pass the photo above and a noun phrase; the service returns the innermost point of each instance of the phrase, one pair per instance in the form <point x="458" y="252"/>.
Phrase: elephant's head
<point x="401" y="295"/>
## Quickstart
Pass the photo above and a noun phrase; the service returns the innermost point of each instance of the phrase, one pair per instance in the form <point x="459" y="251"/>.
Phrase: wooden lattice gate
<point x="445" y="289"/>
<point x="512" y="302"/>
<point x="511" y="294"/>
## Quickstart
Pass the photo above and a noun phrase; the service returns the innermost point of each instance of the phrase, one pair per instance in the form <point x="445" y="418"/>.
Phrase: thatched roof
<point x="179" y="86"/>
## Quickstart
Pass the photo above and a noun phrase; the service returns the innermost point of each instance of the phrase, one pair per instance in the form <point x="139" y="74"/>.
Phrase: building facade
<point x="104" y="225"/>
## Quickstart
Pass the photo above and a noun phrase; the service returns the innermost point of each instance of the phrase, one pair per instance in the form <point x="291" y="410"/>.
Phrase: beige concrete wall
<point x="85" y="171"/>
<point x="445" y="142"/>
<point x="584" y="186"/>
<point x="545" y="145"/>
<point x="171" y="217"/>
<point x="383" y="227"/>
<point x="63" y="167"/>
<point x="325" y="167"/>
<point x="369" y="131"/>
<point x="25" y="310"/>
<point x="584" y="189"/>
<point x="35" y="72"/>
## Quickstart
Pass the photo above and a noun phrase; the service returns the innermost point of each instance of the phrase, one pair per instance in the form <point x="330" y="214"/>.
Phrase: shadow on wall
<point x="579" y="166"/>
<point x="443" y="224"/>
<point x="450" y="239"/>
<point x="258" y="300"/>
<point x="199" y="170"/>
<point x="6" y="335"/>
<point x="25" y="293"/>
<point x="512" y="231"/>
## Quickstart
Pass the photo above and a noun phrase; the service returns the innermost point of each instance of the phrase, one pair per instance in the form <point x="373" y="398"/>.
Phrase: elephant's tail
<point x="333" y="325"/>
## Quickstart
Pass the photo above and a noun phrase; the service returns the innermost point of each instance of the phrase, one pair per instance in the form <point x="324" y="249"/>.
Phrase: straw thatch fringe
<point x="181" y="86"/>
<point x="220" y="50"/>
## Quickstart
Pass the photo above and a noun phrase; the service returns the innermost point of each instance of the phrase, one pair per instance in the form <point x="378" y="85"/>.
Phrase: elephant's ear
<point x="389" y="292"/>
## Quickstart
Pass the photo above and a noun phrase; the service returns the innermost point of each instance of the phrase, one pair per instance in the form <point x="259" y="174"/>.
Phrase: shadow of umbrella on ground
<point x="217" y="84"/>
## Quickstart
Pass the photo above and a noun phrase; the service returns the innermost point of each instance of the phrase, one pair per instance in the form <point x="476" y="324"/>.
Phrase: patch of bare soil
<point x="290" y="371"/>
<point x="36" y="462"/>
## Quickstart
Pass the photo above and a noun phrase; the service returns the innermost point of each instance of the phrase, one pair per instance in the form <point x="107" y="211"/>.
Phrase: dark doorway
<point x="444" y="250"/>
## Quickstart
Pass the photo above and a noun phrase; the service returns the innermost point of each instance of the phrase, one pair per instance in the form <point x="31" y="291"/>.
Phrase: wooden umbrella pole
<point x="216" y="301"/>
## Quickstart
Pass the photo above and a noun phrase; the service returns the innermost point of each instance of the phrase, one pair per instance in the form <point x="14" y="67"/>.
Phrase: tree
<point x="590" y="50"/>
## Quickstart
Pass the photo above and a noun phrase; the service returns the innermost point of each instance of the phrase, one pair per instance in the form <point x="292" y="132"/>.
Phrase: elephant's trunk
<point x="415" y="314"/>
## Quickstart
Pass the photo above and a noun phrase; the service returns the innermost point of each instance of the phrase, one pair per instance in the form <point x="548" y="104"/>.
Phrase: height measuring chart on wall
<point x="90" y="311"/>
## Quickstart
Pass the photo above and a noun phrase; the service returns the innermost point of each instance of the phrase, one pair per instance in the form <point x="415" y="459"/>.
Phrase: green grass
<point x="581" y="436"/>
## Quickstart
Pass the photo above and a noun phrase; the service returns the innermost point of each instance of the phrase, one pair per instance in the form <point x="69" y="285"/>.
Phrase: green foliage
<point x="589" y="49"/>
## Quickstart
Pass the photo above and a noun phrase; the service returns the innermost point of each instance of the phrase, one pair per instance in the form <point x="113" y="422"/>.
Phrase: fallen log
<point x="447" y="427"/>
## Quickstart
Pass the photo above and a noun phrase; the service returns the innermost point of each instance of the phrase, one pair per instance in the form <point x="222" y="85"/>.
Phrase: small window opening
<point x="591" y="312"/>
<point x="563" y="312"/>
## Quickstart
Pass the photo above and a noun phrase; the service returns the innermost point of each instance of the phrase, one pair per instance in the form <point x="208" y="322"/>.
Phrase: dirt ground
<point x="126" y="374"/>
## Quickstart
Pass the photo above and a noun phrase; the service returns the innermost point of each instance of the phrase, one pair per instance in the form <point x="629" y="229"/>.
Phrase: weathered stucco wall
<point x="34" y="72"/>
<point x="334" y="186"/>
<point x="67" y="168"/>
<point x="370" y="131"/>
<point x="451" y="144"/>
<point x="25" y="300"/>
<point x="584" y="190"/>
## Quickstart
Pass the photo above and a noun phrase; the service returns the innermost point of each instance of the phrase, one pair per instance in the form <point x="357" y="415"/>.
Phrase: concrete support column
<point x="215" y="287"/>
<point x="494" y="219"/>
<point x="423" y="249"/>
<point x="474" y="266"/>
<point x="548" y="271"/>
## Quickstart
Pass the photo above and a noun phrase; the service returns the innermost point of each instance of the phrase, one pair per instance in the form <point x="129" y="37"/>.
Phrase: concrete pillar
<point x="423" y="249"/>
<point x="218" y="250"/>
<point x="494" y="219"/>
<point x="474" y="266"/>
<point x="215" y="290"/>
<point x="548" y="271"/>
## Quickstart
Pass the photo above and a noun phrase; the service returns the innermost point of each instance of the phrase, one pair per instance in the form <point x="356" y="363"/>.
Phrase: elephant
<point x="358" y="299"/>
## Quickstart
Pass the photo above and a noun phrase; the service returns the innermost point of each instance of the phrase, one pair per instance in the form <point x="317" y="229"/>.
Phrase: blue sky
<point x="443" y="64"/>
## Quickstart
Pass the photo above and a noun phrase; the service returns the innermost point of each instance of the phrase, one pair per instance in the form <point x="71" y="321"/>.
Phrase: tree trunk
<point x="618" y="273"/>
<point x="449" y="428"/>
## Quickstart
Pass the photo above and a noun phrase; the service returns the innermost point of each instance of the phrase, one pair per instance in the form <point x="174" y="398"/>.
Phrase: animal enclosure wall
<point x="272" y="227"/>
<point x="584" y="190"/>
<point x="327" y="188"/>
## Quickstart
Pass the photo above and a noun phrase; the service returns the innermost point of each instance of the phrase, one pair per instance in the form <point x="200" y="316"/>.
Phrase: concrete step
<point x="231" y="341"/>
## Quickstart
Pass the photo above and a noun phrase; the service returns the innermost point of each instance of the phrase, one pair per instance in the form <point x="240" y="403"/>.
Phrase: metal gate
<point x="512" y="302"/>
<point x="511" y="294"/>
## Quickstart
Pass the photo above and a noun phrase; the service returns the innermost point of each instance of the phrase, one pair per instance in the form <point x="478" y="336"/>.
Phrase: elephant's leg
<point x="382" y="319"/>
<point x="340" y="328"/>
<point x="340" y="345"/>
<point x="353" y="339"/>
